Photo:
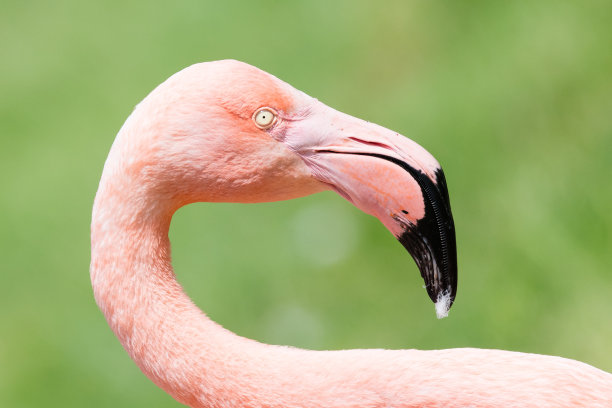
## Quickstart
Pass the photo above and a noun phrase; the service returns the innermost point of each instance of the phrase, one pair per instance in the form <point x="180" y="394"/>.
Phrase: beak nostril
<point x="367" y="142"/>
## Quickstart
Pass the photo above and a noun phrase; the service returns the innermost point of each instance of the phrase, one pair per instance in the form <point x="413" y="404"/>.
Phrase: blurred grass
<point x="513" y="98"/>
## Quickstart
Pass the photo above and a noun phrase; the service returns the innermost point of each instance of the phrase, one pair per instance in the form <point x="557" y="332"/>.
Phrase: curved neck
<point x="175" y="344"/>
<point x="170" y="339"/>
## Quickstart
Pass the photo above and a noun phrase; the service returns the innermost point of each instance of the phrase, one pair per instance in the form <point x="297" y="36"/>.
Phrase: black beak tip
<point x="438" y="268"/>
<point x="431" y="242"/>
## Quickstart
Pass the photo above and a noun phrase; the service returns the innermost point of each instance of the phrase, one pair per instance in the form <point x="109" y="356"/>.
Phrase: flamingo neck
<point x="173" y="342"/>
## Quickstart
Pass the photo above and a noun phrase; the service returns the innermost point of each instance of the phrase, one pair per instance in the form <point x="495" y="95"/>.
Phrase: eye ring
<point x="265" y="118"/>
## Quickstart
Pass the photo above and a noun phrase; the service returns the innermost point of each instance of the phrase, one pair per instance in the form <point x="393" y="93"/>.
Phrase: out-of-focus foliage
<point x="513" y="98"/>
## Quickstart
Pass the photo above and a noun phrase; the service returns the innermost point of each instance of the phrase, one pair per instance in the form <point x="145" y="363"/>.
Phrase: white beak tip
<point x="443" y="304"/>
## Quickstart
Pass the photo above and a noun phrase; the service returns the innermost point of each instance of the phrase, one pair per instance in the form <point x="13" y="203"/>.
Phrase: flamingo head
<point x="227" y="131"/>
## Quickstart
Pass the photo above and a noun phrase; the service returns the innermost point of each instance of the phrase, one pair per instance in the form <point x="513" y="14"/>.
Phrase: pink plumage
<point x="199" y="137"/>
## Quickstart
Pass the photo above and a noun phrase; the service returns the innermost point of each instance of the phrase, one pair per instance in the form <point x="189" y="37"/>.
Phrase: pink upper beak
<point x="390" y="177"/>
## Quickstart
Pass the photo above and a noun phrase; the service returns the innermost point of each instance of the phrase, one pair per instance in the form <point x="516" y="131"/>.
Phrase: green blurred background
<point x="513" y="98"/>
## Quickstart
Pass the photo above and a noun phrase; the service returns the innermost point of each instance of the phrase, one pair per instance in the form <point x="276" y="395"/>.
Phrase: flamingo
<point x="226" y="131"/>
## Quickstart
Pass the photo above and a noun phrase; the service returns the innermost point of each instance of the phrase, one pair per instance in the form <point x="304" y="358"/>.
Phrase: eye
<point x="264" y="118"/>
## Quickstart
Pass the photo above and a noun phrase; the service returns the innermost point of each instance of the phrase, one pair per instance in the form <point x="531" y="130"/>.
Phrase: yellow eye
<point x="264" y="118"/>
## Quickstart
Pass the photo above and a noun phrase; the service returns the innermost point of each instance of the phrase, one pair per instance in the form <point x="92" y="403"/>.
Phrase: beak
<point x="390" y="177"/>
